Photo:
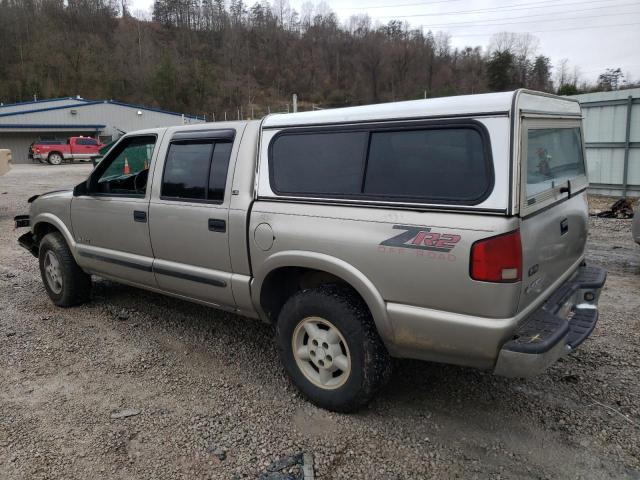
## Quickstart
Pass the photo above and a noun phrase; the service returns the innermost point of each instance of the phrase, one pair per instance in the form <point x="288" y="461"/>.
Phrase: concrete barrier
<point x="5" y="161"/>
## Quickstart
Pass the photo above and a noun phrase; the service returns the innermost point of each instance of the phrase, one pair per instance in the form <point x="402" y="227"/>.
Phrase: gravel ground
<point x="135" y="385"/>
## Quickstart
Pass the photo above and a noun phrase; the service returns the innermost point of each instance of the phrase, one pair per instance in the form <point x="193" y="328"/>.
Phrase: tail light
<point x="497" y="259"/>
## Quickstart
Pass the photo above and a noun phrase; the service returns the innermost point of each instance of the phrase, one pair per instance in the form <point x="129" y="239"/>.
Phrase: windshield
<point x="554" y="155"/>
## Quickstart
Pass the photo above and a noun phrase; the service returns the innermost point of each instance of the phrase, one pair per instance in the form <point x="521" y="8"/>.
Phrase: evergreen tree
<point x="500" y="71"/>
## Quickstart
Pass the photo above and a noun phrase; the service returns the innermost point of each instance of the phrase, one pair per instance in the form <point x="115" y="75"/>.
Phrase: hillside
<point x="198" y="56"/>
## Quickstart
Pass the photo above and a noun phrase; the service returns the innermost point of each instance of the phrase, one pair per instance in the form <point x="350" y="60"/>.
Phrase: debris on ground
<point x="218" y="452"/>
<point x="128" y="412"/>
<point x="289" y="467"/>
<point x="622" y="208"/>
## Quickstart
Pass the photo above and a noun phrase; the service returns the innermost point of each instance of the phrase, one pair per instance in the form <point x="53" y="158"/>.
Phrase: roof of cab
<point x="463" y="105"/>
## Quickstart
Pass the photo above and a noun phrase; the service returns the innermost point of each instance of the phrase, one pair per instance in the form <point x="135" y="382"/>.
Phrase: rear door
<point x="189" y="216"/>
<point x="553" y="202"/>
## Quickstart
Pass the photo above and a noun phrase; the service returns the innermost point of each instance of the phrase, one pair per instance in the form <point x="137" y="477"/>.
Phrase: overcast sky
<point x="592" y="34"/>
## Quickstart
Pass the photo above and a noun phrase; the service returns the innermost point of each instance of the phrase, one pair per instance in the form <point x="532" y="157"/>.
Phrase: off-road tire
<point x="370" y="361"/>
<point x="76" y="285"/>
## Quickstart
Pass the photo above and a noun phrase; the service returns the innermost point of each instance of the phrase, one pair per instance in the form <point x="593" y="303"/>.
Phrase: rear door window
<point x="196" y="170"/>
<point x="554" y="156"/>
<point x="186" y="171"/>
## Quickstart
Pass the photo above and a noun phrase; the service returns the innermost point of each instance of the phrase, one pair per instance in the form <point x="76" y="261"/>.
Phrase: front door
<point x="110" y="222"/>
<point x="84" y="148"/>
<point x="189" y="214"/>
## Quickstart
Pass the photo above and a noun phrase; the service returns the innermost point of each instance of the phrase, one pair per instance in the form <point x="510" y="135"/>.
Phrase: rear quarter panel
<point x="382" y="245"/>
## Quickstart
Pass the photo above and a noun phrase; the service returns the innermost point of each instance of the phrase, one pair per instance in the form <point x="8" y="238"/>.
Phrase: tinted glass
<point x="318" y="163"/>
<point x="127" y="167"/>
<point x="554" y="155"/>
<point x="86" y="141"/>
<point x="218" y="174"/>
<point x="446" y="165"/>
<point x="186" y="171"/>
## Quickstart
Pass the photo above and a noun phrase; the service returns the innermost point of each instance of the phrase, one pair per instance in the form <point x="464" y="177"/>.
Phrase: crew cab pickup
<point x="76" y="148"/>
<point x="450" y="230"/>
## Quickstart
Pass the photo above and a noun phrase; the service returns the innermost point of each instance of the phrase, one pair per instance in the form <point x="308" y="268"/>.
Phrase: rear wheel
<point x="54" y="158"/>
<point x="64" y="280"/>
<point x="330" y="348"/>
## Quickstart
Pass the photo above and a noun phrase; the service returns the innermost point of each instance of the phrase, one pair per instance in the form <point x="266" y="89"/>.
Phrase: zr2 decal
<point x="422" y="238"/>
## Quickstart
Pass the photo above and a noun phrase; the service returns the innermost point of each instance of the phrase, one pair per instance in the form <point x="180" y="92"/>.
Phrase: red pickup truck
<point x="76" y="148"/>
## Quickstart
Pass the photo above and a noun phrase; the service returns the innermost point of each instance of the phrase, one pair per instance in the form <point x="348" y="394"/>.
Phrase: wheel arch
<point x="270" y="286"/>
<point x="46" y="223"/>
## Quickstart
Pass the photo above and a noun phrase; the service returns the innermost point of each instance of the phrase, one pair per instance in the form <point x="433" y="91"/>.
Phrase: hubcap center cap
<point x="320" y="353"/>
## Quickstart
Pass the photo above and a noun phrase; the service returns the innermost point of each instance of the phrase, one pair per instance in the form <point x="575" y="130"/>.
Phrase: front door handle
<point x="217" y="225"/>
<point x="139" y="216"/>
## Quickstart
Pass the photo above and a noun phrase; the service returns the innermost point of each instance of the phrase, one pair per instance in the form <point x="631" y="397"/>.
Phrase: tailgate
<point x="553" y="203"/>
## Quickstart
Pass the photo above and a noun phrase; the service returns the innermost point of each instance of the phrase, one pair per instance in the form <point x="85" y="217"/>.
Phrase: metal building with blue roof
<point x="21" y="124"/>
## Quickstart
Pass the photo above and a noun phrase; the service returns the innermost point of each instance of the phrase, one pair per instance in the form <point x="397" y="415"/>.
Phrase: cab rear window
<point x="430" y="164"/>
<point x="554" y="155"/>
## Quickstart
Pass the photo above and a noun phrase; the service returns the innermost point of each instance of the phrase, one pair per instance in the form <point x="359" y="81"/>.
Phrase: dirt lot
<point x="211" y="400"/>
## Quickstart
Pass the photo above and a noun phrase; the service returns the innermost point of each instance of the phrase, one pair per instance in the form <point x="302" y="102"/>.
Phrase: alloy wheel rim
<point x="321" y="353"/>
<point x="53" y="272"/>
<point x="55" y="159"/>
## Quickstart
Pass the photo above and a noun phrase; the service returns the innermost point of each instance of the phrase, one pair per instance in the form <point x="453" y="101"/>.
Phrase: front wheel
<point x="330" y="348"/>
<point x="64" y="280"/>
<point x="55" y="158"/>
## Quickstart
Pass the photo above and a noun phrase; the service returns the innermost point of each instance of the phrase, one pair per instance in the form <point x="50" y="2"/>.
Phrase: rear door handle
<point x="140" y="216"/>
<point x="217" y="225"/>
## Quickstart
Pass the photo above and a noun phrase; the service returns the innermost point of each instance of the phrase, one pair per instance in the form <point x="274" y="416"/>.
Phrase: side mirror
<point x="81" y="189"/>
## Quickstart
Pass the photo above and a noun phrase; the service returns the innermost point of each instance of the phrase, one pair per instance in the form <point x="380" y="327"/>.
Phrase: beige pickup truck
<point x="450" y="230"/>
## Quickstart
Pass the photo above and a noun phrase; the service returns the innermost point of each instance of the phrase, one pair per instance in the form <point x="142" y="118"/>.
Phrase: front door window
<point x="126" y="170"/>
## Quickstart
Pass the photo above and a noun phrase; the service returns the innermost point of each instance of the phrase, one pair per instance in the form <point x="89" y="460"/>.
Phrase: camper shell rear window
<point x="439" y="163"/>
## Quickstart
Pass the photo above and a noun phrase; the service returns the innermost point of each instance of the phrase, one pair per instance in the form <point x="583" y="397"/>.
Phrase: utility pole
<point x="139" y="43"/>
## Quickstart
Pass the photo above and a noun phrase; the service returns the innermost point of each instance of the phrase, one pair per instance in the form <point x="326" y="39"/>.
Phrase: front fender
<point x="334" y="266"/>
<point x="51" y="219"/>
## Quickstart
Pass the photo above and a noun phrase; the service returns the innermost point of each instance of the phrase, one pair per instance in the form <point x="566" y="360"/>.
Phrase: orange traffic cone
<point x="126" y="169"/>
